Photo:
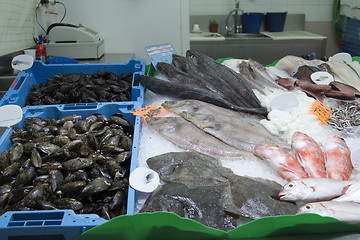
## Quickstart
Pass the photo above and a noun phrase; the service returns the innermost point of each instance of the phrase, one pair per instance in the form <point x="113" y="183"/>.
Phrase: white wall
<point x="315" y="10"/>
<point x="127" y="26"/>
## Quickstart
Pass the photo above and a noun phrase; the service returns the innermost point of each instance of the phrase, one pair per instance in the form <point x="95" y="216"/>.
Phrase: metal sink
<point x="245" y="35"/>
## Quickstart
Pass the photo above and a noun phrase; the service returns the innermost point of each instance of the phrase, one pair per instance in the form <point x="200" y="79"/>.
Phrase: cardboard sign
<point x="151" y="111"/>
<point x="160" y="53"/>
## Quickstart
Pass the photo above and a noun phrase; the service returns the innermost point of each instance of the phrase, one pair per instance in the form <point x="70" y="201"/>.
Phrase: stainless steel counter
<point x="265" y="47"/>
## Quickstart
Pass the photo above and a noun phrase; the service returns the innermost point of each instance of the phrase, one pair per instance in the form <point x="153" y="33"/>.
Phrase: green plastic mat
<point x="164" y="225"/>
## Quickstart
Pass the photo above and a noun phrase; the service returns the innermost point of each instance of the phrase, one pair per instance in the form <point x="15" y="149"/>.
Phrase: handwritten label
<point x="151" y="111"/>
<point x="321" y="111"/>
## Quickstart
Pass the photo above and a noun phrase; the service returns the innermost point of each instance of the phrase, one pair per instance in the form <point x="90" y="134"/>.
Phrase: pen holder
<point x="41" y="53"/>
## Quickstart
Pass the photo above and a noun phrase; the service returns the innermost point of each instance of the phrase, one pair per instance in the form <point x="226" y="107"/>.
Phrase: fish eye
<point x="192" y="56"/>
<point x="308" y="206"/>
<point x="291" y="185"/>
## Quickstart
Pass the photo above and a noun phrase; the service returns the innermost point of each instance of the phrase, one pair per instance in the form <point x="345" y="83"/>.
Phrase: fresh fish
<point x="187" y="136"/>
<point x="281" y="161"/>
<point x="313" y="189"/>
<point x="190" y="176"/>
<point x="348" y="212"/>
<point x="261" y="75"/>
<point x="201" y="77"/>
<point x="345" y="73"/>
<point x="309" y="154"/>
<point x="215" y="86"/>
<point x="291" y="64"/>
<point x="337" y="159"/>
<point x="345" y="115"/>
<point x="242" y="89"/>
<point x="351" y="194"/>
<point x="245" y="74"/>
<point x="189" y="168"/>
<point x="186" y="91"/>
<point x="238" y="131"/>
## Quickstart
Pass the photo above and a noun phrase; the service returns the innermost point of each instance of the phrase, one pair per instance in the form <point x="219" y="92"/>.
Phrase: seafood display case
<point x="39" y="74"/>
<point x="64" y="223"/>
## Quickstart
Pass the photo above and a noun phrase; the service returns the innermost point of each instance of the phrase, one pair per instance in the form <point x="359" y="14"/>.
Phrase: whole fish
<point x="313" y="189"/>
<point x="187" y="136"/>
<point x="186" y="91"/>
<point x="345" y="73"/>
<point x="243" y="90"/>
<point x="245" y="74"/>
<point x="337" y="159"/>
<point x="309" y="154"/>
<point x="291" y="64"/>
<point x="351" y="194"/>
<point x="213" y="81"/>
<point x="179" y="76"/>
<point x="281" y="161"/>
<point x="348" y="212"/>
<point x="260" y="74"/>
<point x="238" y="131"/>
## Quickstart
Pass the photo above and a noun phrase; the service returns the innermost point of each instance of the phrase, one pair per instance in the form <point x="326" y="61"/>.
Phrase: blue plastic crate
<point x="46" y="224"/>
<point x="39" y="72"/>
<point x="19" y="228"/>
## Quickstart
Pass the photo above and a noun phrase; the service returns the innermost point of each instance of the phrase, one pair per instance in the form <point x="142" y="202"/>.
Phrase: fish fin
<point x="345" y="189"/>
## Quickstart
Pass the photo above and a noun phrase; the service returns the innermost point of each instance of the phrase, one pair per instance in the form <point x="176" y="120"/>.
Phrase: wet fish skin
<point x="281" y="161"/>
<point x="237" y="130"/>
<point x="211" y="80"/>
<point x="213" y="85"/>
<point x="351" y="194"/>
<point x="231" y="77"/>
<point x="337" y="159"/>
<point x="184" y="91"/>
<point x="309" y="154"/>
<point x="187" y="136"/>
<point x="313" y="189"/>
<point x="347" y="212"/>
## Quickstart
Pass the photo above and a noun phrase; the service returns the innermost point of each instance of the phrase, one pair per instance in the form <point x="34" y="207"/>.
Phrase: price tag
<point x="321" y="111"/>
<point x="151" y="111"/>
<point x="160" y="53"/>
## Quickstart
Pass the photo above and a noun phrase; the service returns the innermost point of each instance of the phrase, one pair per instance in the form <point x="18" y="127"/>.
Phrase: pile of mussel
<point x="103" y="86"/>
<point x="70" y="163"/>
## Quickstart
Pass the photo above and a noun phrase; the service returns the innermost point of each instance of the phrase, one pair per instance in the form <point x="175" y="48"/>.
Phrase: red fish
<point x="309" y="155"/>
<point x="337" y="159"/>
<point x="281" y="161"/>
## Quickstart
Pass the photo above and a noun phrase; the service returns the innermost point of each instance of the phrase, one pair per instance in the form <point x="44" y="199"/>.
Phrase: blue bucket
<point x="252" y="22"/>
<point x="275" y="21"/>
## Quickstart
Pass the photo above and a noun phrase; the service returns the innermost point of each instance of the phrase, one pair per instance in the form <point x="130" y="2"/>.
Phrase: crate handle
<point x="76" y="106"/>
<point x="18" y="82"/>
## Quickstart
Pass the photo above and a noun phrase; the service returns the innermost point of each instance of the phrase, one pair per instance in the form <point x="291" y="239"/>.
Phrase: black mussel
<point x="25" y="177"/>
<point x="11" y="170"/>
<point x="94" y="172"/>
<point x="77" y="164"/>
<point x="113" y="140"/>
<point x="73" y="187"/>
<point x="123" y="157"/>
<point x="65" y="88"/>
<point x="119" y="183"/>
<point x="110" y="149"/>
<point x="104" y="171"/>
<point x="28" y="147"/>
<point x="96" y="126"/>
<point x="126" y="143"/>
<point x="73" y="118"/>
<point x="17" y="194"/>
<point x="4" y="160"/>
<point x="81" y="126"/>
<point x="56" y="179"/>
<point x="43" y="138"/>
<point x="69" y="203"/>
<point x="50" y="88"/>
<point x="119" y="120"/>
<point x="117" y="201"/>
<point x="61" y="140"/>
<point x="107" y="134"/>
<point x="15" y="152"/>
<point x="49" y="100"/>
<point x="36" y="159"/>
<point x="105" y="212"/>
<point x="73" y="145"/>
<point x="76" y="176"/>
<point x="97" y="185"/>
<point x="60" y="96"/>
<point x="47" y="148"/>
<point x="69" y="125"/>
<point x="45" y="205"/>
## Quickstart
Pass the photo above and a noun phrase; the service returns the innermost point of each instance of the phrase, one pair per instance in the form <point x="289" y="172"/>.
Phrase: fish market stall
<point x="183" y="147"/>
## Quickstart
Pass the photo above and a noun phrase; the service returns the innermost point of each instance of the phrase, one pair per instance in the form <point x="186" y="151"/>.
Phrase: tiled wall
<point x="17" y="22"/>
<point x="314" y="10"/>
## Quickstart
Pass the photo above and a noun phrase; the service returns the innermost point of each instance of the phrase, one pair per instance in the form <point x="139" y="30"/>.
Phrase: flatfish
<point x="236" y="130"/>
<point x="187" y="136"/>
<point x="198" y="187"/>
